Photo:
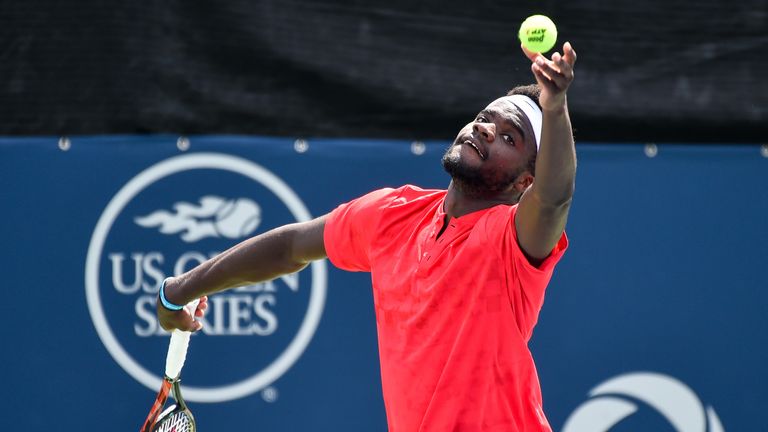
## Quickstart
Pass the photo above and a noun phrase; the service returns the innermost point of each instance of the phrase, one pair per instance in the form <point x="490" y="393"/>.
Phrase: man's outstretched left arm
<point x="543" y="208"/>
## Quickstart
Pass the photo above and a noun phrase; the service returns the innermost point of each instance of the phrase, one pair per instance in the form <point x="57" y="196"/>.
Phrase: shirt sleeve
<point x="351" y="227"/>
<point x="527" y="283"/>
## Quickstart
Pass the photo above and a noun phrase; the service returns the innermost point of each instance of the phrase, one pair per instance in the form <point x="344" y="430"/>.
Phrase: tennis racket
<point x="177" y="417"/>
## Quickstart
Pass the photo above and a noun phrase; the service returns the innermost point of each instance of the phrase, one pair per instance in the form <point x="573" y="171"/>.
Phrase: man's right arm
<point x="283" y="250"/>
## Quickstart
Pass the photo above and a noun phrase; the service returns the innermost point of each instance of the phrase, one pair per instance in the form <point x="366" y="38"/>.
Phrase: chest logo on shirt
<point x="615" y="401"/>
<point x="169" y="218"/>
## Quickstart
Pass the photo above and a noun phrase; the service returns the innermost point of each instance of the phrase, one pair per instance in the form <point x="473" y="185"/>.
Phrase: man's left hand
<point x="554" y="76"/>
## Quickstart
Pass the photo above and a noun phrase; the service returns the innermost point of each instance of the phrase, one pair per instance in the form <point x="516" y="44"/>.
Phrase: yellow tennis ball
<point x="538" y="33"/>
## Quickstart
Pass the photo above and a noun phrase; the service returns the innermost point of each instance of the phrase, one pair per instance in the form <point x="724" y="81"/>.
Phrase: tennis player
<point x="458" y="275"/>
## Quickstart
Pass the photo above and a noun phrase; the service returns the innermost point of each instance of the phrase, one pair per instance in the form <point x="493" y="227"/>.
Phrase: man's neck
<point x="458" y="203"/>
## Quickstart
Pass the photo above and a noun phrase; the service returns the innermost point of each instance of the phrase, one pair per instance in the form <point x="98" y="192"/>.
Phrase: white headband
<point x="532" y="111"/>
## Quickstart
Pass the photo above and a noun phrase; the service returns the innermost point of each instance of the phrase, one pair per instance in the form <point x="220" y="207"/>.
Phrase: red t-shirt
<point x="454" y="314"/>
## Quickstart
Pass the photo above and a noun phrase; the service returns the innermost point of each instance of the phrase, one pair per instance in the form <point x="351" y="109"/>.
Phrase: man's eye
<point x="481" y="119"/>
<point x="508" y="139"/>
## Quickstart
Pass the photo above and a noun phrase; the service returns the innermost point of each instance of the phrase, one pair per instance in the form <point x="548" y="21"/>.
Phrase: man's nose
<point x="486" y="130"/>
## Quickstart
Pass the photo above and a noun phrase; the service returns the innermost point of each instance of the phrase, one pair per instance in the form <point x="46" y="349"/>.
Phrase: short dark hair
<point x="532" y="91"/>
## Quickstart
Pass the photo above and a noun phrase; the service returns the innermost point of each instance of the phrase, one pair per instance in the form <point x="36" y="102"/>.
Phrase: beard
<point x="473" y="181"/>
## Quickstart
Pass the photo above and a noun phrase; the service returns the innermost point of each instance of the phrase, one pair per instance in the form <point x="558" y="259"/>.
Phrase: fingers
<point x="530" y="54"/>
<point x="182" y="319"/>
<point x="549" y="72"/>
<point x="196" y="326"/>
<point x="555" y="74"/>
<point x="557" y="62"/>
<point x="569" y="54"/>
<point x="545" y="82"/>
<point x="202" y="307"/>
<point x="191" y="324"/>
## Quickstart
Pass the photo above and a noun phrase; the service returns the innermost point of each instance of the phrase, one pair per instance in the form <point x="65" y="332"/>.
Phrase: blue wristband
<point x="166" y="304"/>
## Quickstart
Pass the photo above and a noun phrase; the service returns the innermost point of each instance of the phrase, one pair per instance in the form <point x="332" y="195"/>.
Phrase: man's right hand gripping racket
<point x="177" y="417"/>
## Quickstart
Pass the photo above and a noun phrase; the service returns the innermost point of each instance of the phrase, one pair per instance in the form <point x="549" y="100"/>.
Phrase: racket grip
<point x="177" y="348"/>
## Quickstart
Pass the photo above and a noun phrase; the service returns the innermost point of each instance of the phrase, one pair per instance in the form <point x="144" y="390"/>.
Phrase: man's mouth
<point x="471" y="143"/>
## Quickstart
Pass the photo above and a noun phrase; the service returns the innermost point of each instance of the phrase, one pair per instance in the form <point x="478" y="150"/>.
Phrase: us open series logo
<point x="166" y="220"/>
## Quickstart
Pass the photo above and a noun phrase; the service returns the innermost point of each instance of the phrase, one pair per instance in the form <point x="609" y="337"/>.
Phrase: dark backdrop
<point x="669" y="70"/>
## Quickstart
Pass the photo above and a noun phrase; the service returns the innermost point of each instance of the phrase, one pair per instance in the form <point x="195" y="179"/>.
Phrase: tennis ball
<point x="538" y="33"/>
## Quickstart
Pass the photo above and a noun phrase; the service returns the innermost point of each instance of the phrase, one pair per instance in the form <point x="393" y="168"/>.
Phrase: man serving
<point x="458" y="275"/>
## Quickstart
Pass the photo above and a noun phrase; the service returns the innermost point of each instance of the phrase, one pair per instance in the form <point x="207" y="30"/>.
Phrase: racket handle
<point x="177" y="348"/>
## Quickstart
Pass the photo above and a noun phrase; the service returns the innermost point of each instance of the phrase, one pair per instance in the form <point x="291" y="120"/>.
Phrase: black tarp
<point x="647" y="71"/>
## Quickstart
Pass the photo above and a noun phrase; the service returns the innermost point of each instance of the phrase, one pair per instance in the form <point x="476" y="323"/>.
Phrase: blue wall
<point x="663" y="290"/>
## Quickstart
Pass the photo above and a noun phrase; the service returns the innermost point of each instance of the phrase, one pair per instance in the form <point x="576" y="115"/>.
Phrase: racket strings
<point x="176" y="422"/>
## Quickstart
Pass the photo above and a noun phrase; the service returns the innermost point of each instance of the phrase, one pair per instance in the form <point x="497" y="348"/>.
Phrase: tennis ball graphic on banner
<point x="238" y="218"/>
<point x="171" y="217"/>
<point x="212" y="217"/>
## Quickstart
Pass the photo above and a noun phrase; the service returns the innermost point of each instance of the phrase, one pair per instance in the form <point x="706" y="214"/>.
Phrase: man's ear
<point x="523" y="181"/>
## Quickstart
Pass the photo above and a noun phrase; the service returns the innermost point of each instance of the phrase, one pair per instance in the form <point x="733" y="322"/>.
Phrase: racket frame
<point x="177" y="354"/>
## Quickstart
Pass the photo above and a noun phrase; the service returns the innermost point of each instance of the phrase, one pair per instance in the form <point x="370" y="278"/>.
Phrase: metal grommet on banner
<point x="764" y="150"/>
<point x="182" y="143"/>
<point x="269" y="394"/>
<point x="418" y="148"/>
<point x="651" y="150"/>
<point x="64" y="144"/>
<point x="301" y="145"/>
